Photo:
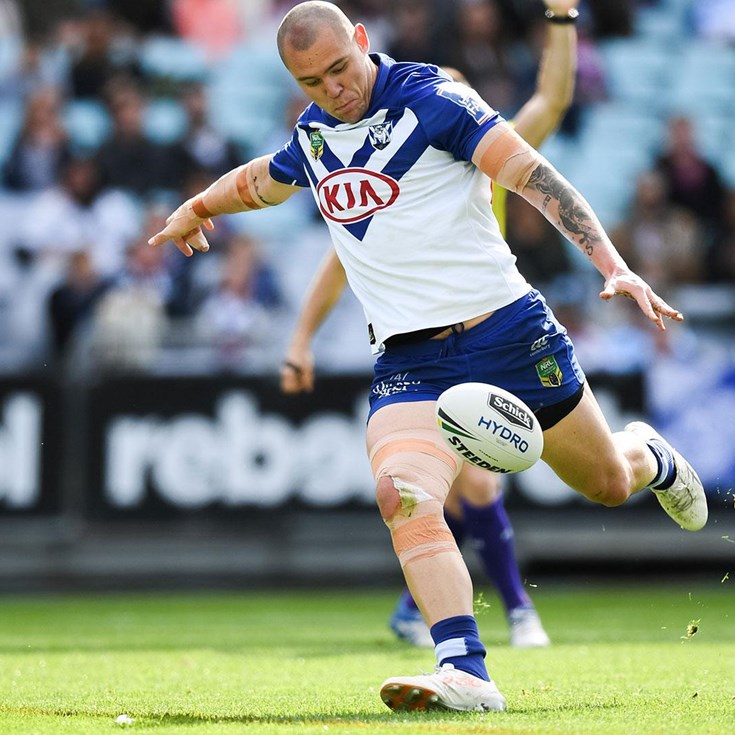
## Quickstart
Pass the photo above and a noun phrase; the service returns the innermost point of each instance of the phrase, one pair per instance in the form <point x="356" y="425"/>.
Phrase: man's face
<point x="335" y="73"/>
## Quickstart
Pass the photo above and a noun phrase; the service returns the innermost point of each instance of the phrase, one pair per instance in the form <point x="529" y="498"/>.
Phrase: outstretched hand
<point x="184" y="229"/>
<point x="634" y="287"/>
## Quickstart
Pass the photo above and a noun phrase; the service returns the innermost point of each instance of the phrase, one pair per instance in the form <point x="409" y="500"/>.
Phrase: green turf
<point x="312" y="663"/>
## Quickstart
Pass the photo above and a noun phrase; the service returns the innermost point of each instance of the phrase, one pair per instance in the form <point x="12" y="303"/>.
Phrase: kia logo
<point x="353" y="194"/>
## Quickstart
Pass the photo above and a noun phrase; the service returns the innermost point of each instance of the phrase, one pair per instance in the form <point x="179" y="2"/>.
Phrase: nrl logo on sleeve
<point x="316" y="144"/>
<point x="380" y="135"/>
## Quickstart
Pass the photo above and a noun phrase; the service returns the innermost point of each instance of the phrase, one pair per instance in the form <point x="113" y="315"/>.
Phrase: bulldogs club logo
<point x="380" y="135"/>
<point x="353" y="194"/>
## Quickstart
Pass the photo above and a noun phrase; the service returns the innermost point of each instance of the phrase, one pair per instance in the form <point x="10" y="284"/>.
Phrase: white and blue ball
<point x="489" y="427"/>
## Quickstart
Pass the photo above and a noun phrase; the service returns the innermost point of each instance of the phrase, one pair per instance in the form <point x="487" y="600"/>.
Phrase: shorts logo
<point x="380" y="135"/>
<point x="549" y="372"/>
<point x="316" y="144"/>
<point x="352" y="194"/>
<point x="398" y="383"/>
<point x="540" y="344"/>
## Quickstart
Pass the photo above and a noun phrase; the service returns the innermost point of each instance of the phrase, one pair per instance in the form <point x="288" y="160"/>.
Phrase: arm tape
<point x="506" y="158"/>
<point x="229" y="194"/>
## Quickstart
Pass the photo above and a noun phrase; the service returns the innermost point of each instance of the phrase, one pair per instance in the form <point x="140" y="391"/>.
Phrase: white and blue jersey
<point x="408" y="213"/>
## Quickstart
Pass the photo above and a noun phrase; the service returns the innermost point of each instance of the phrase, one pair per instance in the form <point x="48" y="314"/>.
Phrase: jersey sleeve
<point x="287" y="164"/>
<point x="454" y="116"/>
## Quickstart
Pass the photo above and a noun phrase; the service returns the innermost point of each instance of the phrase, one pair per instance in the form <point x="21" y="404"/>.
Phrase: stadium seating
<point x="11" y="114"/>
<point x="703" y="79"/>
<point x="10" y="51"/>
<point x="713" y="134"/>
<point x="248" y="93"/>
<point x="87" y="123"/>
<point x="618" y="140"/>
<point x="667" y="21"/>
<point x="727" y="164"/>
<point x="164" y="120"/>
<point x="170" y="58"/>
<point x="638" y="71"/>
<point x="657" y="23"/>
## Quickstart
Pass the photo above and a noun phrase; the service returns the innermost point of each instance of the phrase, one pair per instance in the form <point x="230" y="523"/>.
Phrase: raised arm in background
<point x="541" y="115"/>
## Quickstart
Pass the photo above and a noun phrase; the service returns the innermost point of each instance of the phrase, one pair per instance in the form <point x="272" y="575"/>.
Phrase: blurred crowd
<point x="112" y="112"/>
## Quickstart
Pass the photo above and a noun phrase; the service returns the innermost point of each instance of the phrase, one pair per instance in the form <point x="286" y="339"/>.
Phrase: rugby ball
<point x="489" y="427"/>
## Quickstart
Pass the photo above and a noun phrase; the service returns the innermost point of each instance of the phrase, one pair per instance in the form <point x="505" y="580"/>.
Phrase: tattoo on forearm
<point x="258" y="194"/>
<point x="574" y="215"/>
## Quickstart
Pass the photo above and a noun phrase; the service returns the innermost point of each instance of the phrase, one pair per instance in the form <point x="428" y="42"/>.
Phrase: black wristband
<point x="570" y="17"/>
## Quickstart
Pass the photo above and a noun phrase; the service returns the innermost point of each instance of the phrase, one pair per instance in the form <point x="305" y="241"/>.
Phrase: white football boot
<point x="446" y="689"/>
<point x="685" y="500"/>
<point x="526" y="630"/>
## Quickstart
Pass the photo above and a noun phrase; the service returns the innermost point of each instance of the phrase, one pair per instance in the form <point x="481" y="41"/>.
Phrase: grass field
<point x="308" y="663"/>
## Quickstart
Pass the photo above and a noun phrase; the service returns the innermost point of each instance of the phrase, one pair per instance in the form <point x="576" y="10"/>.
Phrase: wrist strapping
<point x="228" y="195"/>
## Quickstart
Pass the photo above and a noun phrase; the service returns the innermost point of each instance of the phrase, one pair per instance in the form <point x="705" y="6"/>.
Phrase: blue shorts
<point x="521" y="347"/>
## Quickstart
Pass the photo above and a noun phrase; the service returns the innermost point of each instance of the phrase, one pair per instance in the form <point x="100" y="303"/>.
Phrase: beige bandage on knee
<point x="423" y="537"/>
<point x="422" y="471"/>
<point x="506" y="158"/>
<point x="398" y="446"/>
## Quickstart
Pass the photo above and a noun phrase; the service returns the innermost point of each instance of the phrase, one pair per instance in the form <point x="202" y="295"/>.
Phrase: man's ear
<point x="361" y="37"/>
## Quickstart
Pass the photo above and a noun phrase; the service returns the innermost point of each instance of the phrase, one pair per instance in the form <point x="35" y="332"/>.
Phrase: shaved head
<point x="302" y="24"/>
<point x="329" y="58"/>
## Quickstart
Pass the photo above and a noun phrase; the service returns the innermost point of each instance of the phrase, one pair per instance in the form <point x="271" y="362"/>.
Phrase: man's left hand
<point x="627" y="283"/>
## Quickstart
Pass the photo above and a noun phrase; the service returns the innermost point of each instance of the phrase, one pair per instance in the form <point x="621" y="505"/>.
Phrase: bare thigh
<point x="583" y="453"/>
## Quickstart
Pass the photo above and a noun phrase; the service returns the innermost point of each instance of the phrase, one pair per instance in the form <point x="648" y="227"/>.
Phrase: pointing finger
<point x="158" y="239"/>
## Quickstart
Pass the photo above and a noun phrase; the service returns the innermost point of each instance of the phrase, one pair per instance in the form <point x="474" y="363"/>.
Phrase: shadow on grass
<point x="358" y="718"/>
<point x="436" y="716"/>
<point x="498" y="718"/>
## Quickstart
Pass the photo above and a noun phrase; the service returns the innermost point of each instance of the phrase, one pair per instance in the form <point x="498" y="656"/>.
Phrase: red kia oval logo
<point x="352" y="194"/>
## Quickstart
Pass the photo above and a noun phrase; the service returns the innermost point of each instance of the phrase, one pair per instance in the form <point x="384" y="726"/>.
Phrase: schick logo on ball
<point x="513" y="413"/>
